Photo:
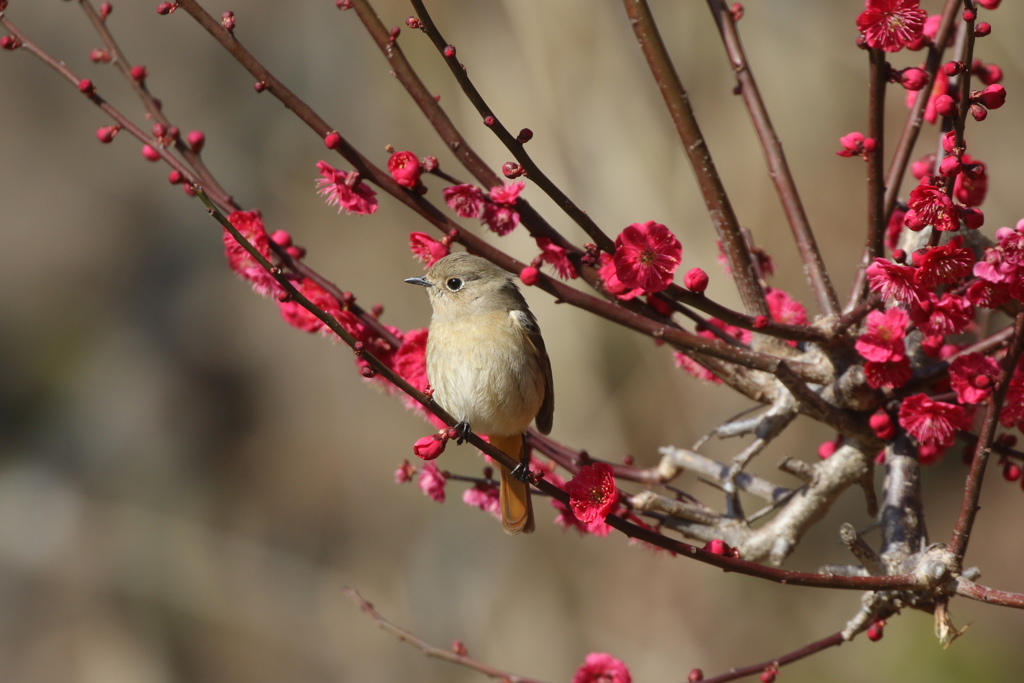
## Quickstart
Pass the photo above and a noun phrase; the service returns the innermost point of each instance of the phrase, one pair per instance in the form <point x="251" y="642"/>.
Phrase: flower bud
<point x="982" y="29"/>
<point x="913" y="78"/>
<point x="945" y="105"/>
<point x="950" y="166"/>
<point x="696" y="280"/>
<point x="429" y="447"/>
<point x="529" y="275"/>
<point x="139" y="73"/>
<point x="449" y="51"/>
<point x="196" y="140"/>
<point x="150" y="153"/>
<point x="992" y="97"/>
<point x="332" y="140"/>
<point x="106" y="133"/>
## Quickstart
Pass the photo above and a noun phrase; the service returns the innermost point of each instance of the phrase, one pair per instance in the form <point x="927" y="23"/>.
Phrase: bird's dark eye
<point x="454" y="284"/>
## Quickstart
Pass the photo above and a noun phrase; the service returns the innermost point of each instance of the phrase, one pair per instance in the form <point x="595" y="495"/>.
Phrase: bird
<point x="487" y="365"/>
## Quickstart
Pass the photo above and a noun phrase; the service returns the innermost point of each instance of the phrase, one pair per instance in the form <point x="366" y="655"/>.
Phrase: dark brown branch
<point x="511" y="142"/>
<point x="694" y="145"/>
<point x="806" y="651"/>
<point x="628" y="528"/>
<point x="915" y="118"/>
<point x="431" y="213"/>
<point x="873" y="248"/>
<point x="972" y="489"/>
<point x="153" y="108"/>
<point x="431" y="650"/>
<point x="778" y="167"/>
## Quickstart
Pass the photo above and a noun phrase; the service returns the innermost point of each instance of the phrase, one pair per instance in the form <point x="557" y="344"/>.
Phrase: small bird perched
<point x="487" y="365"/>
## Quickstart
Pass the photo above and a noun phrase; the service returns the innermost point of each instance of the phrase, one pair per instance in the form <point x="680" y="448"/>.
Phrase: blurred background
<point x="186" y="482"/>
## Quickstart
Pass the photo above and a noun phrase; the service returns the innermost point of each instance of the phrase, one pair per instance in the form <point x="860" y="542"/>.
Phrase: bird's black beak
<point x="421" y="280"/>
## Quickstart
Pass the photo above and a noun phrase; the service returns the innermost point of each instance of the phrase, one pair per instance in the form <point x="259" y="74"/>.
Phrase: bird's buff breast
<point x="484" y="371"/>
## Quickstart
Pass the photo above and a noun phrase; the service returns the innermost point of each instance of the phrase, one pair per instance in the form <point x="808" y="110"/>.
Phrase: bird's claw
<point x="463" y="431"/>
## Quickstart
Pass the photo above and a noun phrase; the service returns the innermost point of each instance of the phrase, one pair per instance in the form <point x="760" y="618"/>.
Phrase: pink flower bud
<point x="987" y="73"/>
<point x="529" y="275"/>
<point x="989" y="4"/>
<point x="489" y="121"/>
<point x="760" y="322"/>
<point x="970" y="15"/>
<point x="459" y="648"/>
<point x="150" y="153"/>
<point x="769" y="674"/>
<point x="511" y="169"/>
<point x="175" y="177"/>
<point x="950" y="166"/>
<point x="899" y="256"/>
<point x="404" y="167"/>
<point x="717" y="547"/>
<point x="259" y="86"/>
<point x="173" y="133"/>
<point x="952" y="68"/>
<point x="826" y="449"/>
<point x="166" y="7"/>
<point x="413" y="22"/>
<point x="429" y="447"/>
<point x="106" y="133"/>
<point x="196" y="140"/>
<point x="736" y="10"/>
<point x="949" y="142"/>
<point x="882" y="425"/>
<point x="105" y="9"/>
<point x="429" y="164"/>
<point x="404" y="473"/>
<point x="695" y="676"/>
<point x="525" y="135"/>
<point x="978" y="112"/>
<point x="945" y="105"/>
<point x="992" y="97"/>
<point x="139" y="73"/>
<point x="449" y="51"/>
<point x="99" y="56"/>
<point x="1011" y="471"/>
<point x="332" y="140"/>
<point x="870" y="144"/>
<point x="875" y="631"/>
<point x="972" y="218"/>
<point x="86" y="87"/>
<point x="189" y="189"/>
<point x="227" y="20"/>
<point x="296" y="253"/>
<point x="982" y="29"/>
<point x="281" y="238"/>
<point x="913" y="78"/>
<point x="696" y="280"/>
<point x="10" y="43"/>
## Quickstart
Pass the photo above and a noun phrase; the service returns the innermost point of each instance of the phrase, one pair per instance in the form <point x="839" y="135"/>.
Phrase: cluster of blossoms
<point x="496" y="209"/>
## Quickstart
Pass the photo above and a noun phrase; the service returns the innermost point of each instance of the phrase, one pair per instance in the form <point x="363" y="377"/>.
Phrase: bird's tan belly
<point x="488" y="376"/>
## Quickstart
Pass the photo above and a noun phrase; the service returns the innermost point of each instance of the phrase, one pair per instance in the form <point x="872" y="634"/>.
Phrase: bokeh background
<point x="186" y="482"/>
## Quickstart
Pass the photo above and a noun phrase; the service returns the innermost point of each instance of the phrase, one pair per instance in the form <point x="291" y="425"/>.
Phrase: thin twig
<point x="778" y="167"/>
<point x="806" y="651"/>
<point x="695" y="146"/>
<point x="511" y="142"/>
<point x="972" y="488"/>
<point x="431" y="650"/>
<point x="975" y="591"/>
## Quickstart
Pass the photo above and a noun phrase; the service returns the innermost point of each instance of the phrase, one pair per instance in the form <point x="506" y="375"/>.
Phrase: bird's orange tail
<point x="516" y="507"/>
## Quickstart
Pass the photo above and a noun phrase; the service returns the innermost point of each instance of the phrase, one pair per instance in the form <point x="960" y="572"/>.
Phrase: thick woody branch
<point x="778" y="167"/>
<point x="694" y="145"/>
